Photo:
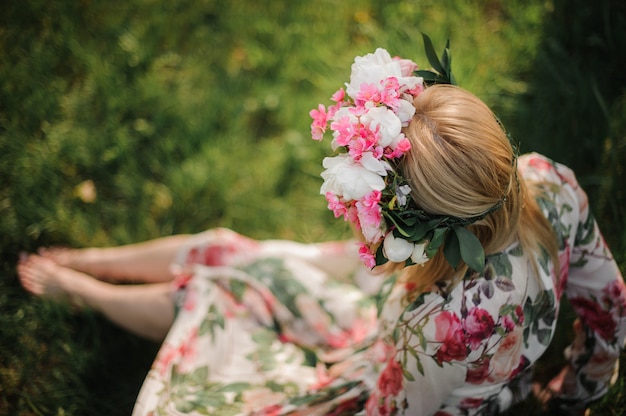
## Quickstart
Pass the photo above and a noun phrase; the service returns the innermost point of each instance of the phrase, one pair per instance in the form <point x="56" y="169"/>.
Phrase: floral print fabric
<point x="275" y="327"/>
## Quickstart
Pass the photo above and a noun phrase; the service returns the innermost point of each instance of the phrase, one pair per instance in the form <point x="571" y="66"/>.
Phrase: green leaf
<point x="446" y="59"/>
<point x="472" y="251"/>
<point x="419" y="301"/>
<point x="407" y="374"/>
<point x="437" y="239"/>
<point x="200" y="375"/>
<point x="501" y="264"/>
<point x="451" y="250"/>
<point x="544" y="336"/>
<point x="420" y="367"/>
<point x="380" y="257"/>
<point x="432" y="55"/>
<point x="505" y="284"/>
<point x="236" y="387"/>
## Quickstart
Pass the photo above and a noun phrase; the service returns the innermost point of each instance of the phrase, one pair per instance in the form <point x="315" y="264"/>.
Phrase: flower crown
<point x="363" y="182"/>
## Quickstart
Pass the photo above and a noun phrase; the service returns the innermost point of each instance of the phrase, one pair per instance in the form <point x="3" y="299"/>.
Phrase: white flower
<point x="388" y="123"/>
<point x="397" y="250"/>
<point x="401" y="194"/>
<point x="409" y="83"/>
<point x="418" y="256"/>
<point x="371" y="69"/>
<point x="369" y="162"/>
<point x="345" y="177"/>
<point x="405" y="112"/>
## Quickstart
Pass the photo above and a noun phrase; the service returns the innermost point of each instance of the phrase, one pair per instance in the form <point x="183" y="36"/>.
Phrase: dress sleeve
<point x="424" y="360"/>
<point x="595" y="288"/>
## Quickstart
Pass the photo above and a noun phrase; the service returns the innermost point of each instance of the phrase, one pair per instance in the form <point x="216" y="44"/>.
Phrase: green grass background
<point x="187" y="115"/>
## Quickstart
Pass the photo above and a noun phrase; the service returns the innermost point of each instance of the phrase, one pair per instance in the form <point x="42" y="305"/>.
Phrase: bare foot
<point x="84" y="260"/>
<point x="43" y="277"/>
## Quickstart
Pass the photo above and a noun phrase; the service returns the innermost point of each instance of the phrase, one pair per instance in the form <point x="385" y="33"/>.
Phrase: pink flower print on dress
<point x="163" y="362"/>
<point x="615" y="295"/>
<point x="449" y="333"/>
<point x="477" y="373"/>
<point x="380" y="405"/>
<point x="507" y="357"/>
<point x="390" y="380"/>
<point x="479" y="326"/>
<point x="592" y="315"/>
<point x="188" y="351"/>
<point x="471" y="403"/>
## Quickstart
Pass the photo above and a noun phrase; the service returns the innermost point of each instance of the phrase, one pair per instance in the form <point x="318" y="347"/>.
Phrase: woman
<point x="471" y="251"/>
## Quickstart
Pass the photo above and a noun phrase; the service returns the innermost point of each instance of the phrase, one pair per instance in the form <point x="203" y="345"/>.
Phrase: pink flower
<point x="367" y="93"/>
<point x="272" y="410"/>
<point x="320" y="120"/>
<point x="344" y="130"/>
<point x="182" y="279"/>
<point x="471" y="403"/>
<point x="407" y="67"/>
<point x="348" y="407"/>
<point x="390" y="379"/>
<point x="366" y="256"/>
<point x="215" y="254"/>
<point x="540" y="163"/>
<point x="507" y="357"/>
<point x="416" y="90"/>
<point x="167" y="354"/>
<point x="478" y="326"/>
<point x="188" y="350"/>
<point x="592" y="315"/>
<point x="369" y="209"/>
<point x="352" y="215"/>
<point x="191" y="299"/>
<point x="339" y="95"/>
<point x="519" y="313"/>
<point x="507" y="323"/>
<point x="364" y="144"/>
<point x="403" y="146"/>
<point x="615" y="294"/>
<point x="478" y="373"/>
<point x="390" y="93"/>
<point x="378" y="405"/>
<point x="449" y="333"/>
<point x="336" y="205"/>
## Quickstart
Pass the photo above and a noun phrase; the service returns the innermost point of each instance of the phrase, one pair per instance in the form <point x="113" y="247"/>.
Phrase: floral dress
<point x="277" y="327"/>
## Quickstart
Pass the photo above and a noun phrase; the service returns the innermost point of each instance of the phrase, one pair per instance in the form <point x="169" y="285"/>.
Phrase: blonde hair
<point x="461" y="163"/>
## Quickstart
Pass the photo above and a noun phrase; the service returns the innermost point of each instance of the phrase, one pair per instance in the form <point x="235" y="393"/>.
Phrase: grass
<point x="127" y="120"/>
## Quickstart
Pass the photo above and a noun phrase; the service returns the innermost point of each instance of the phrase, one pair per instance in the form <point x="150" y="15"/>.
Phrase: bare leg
<point x="146" y="310"/>
<point x="146" y="262"/>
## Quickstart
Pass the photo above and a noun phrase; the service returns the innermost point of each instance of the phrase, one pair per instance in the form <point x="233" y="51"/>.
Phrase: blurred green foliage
<point x="127" y="120"/>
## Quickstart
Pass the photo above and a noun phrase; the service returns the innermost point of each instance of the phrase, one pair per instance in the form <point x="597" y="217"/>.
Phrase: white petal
<point x="418" y="256"/>
<point x="397" y="250"/>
